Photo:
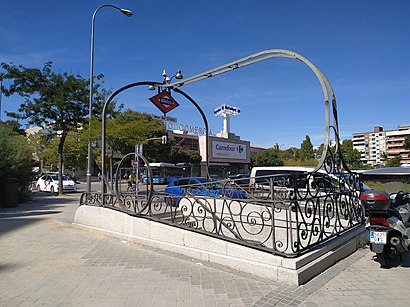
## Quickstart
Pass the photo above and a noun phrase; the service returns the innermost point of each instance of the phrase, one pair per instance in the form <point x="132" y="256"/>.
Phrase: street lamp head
<point x="126" y="12"/>
<point x="178" y="75"/>
<point x="151" y="87"/>
<point x="164" y="73"/>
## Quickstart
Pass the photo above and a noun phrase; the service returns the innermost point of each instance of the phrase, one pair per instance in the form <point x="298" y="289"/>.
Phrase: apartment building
<point x="377" y="146"/>
<point x="395" y="143"/>
<point x="371" y="145"/>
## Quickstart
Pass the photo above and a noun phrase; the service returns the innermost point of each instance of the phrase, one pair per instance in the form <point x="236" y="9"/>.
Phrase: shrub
<point x="16" y="158"/>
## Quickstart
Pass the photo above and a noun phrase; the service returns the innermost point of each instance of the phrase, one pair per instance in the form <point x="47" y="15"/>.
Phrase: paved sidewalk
<point x="46" y="261"/>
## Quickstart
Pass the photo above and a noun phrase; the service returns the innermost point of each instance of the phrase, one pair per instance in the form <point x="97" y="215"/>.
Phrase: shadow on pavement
<point x="41" y="206"/>
<point x="9" y="224"/>
<point x="6" y="267"/>
<point x="396" y="261"/>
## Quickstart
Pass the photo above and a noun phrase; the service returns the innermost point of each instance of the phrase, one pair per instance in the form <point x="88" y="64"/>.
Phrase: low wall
<point x="294" y="271"/>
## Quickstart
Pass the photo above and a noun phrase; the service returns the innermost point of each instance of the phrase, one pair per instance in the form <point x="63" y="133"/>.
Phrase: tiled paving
<point x="46" y="261"/>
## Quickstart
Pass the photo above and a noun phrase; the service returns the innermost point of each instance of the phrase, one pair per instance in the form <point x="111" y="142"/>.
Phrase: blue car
<point x="199" y="186"/>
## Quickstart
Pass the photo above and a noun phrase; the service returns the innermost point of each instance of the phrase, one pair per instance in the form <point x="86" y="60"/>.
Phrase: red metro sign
<point x="164" y="102"/>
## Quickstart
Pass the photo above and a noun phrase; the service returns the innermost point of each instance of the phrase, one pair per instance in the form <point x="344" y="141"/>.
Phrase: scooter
<point x="388" y="223"/>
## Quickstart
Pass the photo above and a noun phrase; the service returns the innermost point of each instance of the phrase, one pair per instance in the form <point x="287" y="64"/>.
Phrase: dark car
<point x="199" y="186"/>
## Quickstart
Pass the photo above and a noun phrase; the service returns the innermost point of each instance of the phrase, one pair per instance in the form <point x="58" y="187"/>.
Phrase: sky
<point x="362" y="47"/>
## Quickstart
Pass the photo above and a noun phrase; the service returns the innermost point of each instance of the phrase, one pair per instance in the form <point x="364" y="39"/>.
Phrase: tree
<point x="407" y="142"/>
<point x="15" y="127"/>
<point x="394" y="162"/>
<point x="350" y="155"/>
<point x="59" y="99"/>
<point x="39" y="142"/>
<point x="268" y="157"/>
<point x="16" y="158"/>
<point x="74" y="153"/>
<point x="306" y="149"/>
<point x="178" y="155"/>
<point x="128" y="129"/>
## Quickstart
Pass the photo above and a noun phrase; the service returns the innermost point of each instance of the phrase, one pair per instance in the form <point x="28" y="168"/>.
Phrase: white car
<point x="264" y="180"/>
<point x="49" y="183"/>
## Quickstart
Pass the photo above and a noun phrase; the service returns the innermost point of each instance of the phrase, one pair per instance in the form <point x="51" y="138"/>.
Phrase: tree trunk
<point x="60" y="163"/>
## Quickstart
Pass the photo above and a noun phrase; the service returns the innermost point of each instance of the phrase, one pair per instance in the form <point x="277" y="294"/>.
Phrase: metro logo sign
<point x="164" y="102"/>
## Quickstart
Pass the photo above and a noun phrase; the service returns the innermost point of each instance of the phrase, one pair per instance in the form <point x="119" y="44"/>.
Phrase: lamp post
<point x="127" y="13"/>
<point x="167" y="80"/>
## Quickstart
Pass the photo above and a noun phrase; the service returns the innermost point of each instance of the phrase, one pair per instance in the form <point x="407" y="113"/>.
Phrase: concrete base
<point x="294" y="271"/>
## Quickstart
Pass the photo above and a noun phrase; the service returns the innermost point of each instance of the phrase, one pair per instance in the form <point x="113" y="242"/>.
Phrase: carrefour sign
<point x="228" y="150"/>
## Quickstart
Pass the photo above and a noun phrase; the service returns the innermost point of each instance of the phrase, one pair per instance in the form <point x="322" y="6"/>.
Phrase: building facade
<point x="380" y="145"/>
<point x="395" y="144"/>
<point x="228" y="155"/>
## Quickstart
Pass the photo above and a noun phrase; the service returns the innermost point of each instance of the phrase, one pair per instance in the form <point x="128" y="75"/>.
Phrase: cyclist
<point x="131" y="179"/>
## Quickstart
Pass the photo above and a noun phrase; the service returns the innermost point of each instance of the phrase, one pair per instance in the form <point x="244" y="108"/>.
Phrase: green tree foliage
<point x="350" y="155"/>
<point x="127" y="129"/>
<point x="395" y="162"/>
<point x="407" y="142"/>
<point x="178" y="155"/>
<point x="38" y="142"/>
<point x="268" y="157"/>
<point x="306" y="162"/>
<point x="60" y="99"/>
<point x="74" y="153"/>
<point x="290" y="154"/>
<point x="130" y="128"/>
<point x="15" y="126"/>
<point x="306" y="149"/>
<point x="16" y="157"/>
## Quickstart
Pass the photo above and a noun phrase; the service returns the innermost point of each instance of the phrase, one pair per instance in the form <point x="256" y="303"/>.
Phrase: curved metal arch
<point x="327" y="89"/>
<point x="116" y="190"/>
<point x="103" y="129"/>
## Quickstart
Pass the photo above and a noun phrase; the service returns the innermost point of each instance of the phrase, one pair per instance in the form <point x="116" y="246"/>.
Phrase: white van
<point x="269" y="182"/>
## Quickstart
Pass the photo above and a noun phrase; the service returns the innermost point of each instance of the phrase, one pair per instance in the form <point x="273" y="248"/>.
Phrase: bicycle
<point x="132" y="187"/>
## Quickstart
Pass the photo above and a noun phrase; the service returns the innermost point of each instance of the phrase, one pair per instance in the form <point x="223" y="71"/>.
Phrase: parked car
<point x="199" y="186"/>
<point x="49" y="183"/>
<point x="285" y="178"/>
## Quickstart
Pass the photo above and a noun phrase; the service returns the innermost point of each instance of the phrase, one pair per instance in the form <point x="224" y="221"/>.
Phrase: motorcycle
<point x="388" y="223"/>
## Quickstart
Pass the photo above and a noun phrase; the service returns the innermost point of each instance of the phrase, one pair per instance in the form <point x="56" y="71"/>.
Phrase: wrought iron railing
<point x="284" y="214"/>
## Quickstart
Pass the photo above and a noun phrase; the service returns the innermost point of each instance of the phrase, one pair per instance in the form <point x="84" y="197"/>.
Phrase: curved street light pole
<point x="127" y="13"/>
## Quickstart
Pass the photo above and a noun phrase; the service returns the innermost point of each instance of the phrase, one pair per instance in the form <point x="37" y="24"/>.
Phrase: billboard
<point x="228" y="150"/>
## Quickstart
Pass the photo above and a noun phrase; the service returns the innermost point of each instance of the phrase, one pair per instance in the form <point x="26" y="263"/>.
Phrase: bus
<point x="163" y="172"/>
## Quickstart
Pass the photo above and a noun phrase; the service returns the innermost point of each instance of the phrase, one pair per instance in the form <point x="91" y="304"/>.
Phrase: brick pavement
<point x="46" y="261"/>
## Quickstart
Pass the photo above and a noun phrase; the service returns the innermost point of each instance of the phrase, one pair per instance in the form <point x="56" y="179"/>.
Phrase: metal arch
<point x="327" y="89"/>
<point x="103" y="135"/>
<point x="151" y="185"/>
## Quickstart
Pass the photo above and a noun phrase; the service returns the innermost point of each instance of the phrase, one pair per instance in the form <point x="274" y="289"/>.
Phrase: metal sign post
<point x="138" y="152"/>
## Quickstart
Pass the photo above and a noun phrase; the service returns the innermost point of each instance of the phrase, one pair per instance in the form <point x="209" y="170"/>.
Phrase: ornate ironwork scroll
<point x="286" y="214"/>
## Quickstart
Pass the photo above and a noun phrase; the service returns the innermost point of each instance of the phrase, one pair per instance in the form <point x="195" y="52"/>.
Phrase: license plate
<point x="378" y="237"/>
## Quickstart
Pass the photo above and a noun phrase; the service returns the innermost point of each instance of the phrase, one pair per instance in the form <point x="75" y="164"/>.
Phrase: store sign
<point x="190" y="129"/>
<point x="228" y="150"/>
<point x="172" y="124"/>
